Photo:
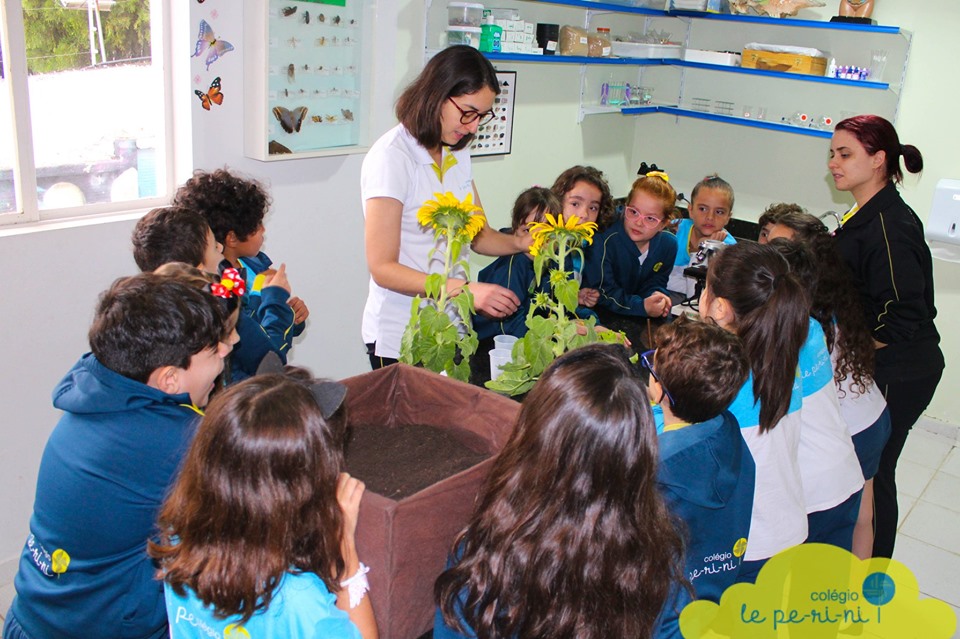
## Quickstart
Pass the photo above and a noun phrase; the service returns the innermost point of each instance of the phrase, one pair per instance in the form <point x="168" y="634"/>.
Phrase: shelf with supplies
<point x="725" y="119"/>
<point x="877" y="53"/>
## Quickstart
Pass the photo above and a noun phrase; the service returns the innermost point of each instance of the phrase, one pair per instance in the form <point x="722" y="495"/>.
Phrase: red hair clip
<point x="231" y="284"/>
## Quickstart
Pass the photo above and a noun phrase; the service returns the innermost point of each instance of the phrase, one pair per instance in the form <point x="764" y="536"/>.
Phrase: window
<point x="85" y="119"/>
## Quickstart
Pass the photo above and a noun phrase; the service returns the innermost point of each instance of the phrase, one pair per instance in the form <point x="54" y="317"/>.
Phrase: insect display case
<point x="307" y="73"/>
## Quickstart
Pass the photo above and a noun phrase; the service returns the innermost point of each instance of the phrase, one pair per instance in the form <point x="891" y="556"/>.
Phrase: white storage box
<point x="645" y="50"/>
<point x="712" y="57"/>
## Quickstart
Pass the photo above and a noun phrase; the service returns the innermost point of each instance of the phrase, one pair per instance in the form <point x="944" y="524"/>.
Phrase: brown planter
<point x="406" y="542"/>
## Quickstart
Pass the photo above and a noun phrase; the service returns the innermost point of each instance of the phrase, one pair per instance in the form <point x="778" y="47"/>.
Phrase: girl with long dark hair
<point x="570" y="536"/>
<point x="258" y="531"/>
<point x="751" y="292"/>
<point x="837" y="308"/>
<point x="881" y="240"/>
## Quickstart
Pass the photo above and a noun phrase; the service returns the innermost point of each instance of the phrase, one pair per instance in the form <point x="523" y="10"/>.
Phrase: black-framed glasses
<point x="646" y="358"/>
<point x="469" y="117"/>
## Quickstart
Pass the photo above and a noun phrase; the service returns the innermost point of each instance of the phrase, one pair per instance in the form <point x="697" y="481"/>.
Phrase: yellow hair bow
<point x="660" y="174"/>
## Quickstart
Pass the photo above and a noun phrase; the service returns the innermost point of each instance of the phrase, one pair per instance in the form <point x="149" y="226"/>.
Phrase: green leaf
<point x="434" y="285"/>
<point x="566" y="294"/>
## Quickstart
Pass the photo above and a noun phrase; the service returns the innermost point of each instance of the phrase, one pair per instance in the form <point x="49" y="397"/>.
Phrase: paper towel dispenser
<point x="942" y="229"/>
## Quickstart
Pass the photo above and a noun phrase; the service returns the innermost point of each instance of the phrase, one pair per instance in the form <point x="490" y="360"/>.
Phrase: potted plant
<point x="553" y="327"/>
<point x="440" y="336"/>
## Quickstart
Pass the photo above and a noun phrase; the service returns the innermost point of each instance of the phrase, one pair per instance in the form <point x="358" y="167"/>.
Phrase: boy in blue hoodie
<point x="176" y="234"/>
<point x="234" y="207"/>
<point x="130" y="408"/>
<point x="706" y="470"/>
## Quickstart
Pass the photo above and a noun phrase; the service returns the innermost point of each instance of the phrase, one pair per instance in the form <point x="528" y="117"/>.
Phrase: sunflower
<point x="448" y="212"/>
<point x="554" y="226"/>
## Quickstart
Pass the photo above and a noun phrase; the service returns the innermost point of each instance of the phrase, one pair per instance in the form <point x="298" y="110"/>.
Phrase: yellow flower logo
<point x="740" y="547"/>
<point x="235" y="631"/>
<point x="60" y="561"/>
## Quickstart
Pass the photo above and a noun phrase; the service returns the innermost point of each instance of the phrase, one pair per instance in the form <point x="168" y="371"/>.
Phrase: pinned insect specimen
<point x="293" y="42"/>
<point x="306" y="17"/>
<point x="291" y="73"/>
<point x="347" y="114"/>
<point x="288" y="11"/>
<point x="321" y="41"/>
<point x="317" y="118"/>
<point x="336" y="20"/>
<point x="290" y="120"/>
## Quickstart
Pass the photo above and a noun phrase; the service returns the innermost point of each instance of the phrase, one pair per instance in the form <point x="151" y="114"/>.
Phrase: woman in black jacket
<point x="881" y="239"/>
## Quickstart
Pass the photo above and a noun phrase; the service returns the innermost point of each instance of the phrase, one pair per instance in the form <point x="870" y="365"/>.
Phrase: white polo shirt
<point x="398" y="167"/>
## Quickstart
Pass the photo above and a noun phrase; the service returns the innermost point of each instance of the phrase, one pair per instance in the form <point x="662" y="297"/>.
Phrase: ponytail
<point x="772" y="310"/>
<point x="912" y="158"/>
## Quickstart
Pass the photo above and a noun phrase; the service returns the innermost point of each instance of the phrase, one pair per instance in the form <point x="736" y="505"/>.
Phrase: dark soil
<point x="398" y="462"/>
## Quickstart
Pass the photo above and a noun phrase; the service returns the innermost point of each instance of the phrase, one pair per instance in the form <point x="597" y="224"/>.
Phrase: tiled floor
<point x="928" y="478"/>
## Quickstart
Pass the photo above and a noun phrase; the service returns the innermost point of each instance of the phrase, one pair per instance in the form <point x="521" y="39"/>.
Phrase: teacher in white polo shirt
<point x="426" y="153"/>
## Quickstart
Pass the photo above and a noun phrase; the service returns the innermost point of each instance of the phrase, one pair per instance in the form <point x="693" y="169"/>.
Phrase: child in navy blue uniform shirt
<point x="583" y="192"/>
<point x="629" y="263"/>
<point x="514" y="272"/>
<point x="130" y="409"/>
<point x="175" y="234"/>
<point x="234" y="208"/>
<point x="706" y="473"/>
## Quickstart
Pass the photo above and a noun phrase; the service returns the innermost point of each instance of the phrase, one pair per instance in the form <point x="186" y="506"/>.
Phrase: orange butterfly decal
<point x="213" y="95"/>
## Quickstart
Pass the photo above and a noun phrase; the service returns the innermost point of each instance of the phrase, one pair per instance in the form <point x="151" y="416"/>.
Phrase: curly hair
<point x="771" y="309"/>
<point x="836" y="304"/>
<point x="226" y="200"/>
<point x="593" y="176"/>
<point x="256" y="498"/>
<point x="570" y="536"/>
<point x="772" y="214"/>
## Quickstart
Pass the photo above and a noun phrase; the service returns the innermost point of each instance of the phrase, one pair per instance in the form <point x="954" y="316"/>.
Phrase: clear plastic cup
<point x="505" y="341"/>
<point x="498" y="358"/>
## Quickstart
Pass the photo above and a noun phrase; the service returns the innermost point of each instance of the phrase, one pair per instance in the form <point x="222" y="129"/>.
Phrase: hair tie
<point x="231" y="284"/>
<point x="660" y="174"/>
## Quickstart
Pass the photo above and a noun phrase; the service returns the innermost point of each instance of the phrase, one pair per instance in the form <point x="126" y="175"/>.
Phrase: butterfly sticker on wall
<point x="290" y="120"/>
<point x="212" y="96"/>
<point x="208" y="41"/>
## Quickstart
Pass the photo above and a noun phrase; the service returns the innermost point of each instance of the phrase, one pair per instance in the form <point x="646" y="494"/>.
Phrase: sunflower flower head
<point x="448" y="214"/>
<point x="558" y="228"/>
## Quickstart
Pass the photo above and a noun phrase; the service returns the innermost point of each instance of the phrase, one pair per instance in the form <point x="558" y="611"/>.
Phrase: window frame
<point x="27" y="210"/>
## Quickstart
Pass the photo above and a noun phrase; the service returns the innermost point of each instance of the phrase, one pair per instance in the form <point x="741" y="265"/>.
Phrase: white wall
<point x="52" y="277"/>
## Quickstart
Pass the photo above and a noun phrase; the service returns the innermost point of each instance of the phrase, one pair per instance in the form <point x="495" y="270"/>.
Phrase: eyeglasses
<point x="646" y="220"/>
<point x="468" y="117"/>
<point x="646" y="359"/>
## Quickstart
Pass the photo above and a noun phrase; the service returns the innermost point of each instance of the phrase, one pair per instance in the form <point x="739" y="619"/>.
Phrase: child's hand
<point x="492" y="300"/>
<point x="720" y="235"/>
<point x="300" y="310"/>
<point x="588" y="297"/>
<point x="349" y="492"/>
<point x="278" y="278"/>
<point x="657" y="305"/>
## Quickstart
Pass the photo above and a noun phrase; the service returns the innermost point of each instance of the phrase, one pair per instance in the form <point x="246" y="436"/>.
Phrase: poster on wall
<point x="313" y="67"/>
<point x="496" y="136"/>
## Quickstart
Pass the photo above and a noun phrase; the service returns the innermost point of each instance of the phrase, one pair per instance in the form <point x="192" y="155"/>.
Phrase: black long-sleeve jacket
<point x="884" y="246"/>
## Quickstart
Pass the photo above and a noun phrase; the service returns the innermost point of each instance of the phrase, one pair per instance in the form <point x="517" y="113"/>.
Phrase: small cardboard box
<point x="783" y="62"/>
<point x="406" y="542"/>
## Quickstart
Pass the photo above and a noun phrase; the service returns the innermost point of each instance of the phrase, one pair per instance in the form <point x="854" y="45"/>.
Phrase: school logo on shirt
<point x="235" y="631"/>
<point x="657" y="267"/>
<point x="41" y="558"/>
<point x="60" y="561"/>
<point x="740" y="547"/>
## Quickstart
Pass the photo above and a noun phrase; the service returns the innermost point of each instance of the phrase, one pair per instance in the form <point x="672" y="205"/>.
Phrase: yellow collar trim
<point x="447" y="161"/>
<point x="194" y="409"/>
<point x="677" y="426"/>
<point x="849" y="214"/>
